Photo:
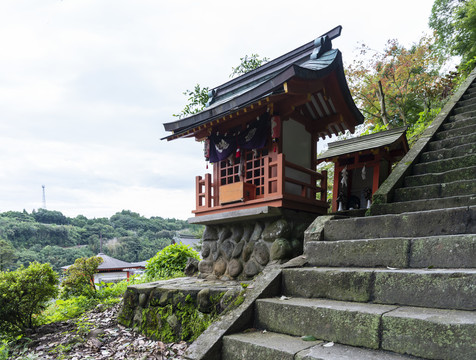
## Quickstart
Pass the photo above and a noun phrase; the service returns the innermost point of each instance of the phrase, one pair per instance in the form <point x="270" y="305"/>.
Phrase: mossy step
<point x="467" y="173"/>
<point x="448" y="251"/>
<point x="439" y="166"/>
<point x="259" y="345"/>
<point x="460" y="123"/>
<point x="464" y="108"/>
<point x="432" y="191"/>
<point x="455" y="151"/>
<point x="463" y="116"/>
<point x="469" y="95"/>
<point x="417" y="331"/>
<point x="412" y="224"/>
<point x="452" y="142"/>
<point x="348" y="323"/>
<point x="423" y="205"/>
<point x="430" y="333"/>
<point x="445" y="134"/>
<point x="466" y="102"/>
<point x="432" y="288"/>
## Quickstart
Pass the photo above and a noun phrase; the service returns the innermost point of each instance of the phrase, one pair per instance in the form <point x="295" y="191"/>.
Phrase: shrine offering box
<point x="240" y="191"/>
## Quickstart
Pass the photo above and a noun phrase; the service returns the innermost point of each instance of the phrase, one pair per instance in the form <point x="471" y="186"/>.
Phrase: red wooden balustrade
<point x="270" y="189"/>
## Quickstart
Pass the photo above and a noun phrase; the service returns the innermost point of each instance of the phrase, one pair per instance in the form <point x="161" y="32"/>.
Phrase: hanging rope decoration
<point x="275" y="130"/>
<point x="206" y="150"/>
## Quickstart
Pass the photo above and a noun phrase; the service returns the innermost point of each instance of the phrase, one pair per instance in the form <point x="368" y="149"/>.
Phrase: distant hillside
<point x="49" y="236"/>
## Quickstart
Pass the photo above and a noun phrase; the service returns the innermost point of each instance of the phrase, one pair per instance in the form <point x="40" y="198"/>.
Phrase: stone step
<point x="452" y="142"/>
<point x="469" y="95"/>
<point x="424" y="332"/>
<point x="458" y="124"/>
<point x="439" y="166"/>
<point x="460" y="150"/>
<point x="460" y="117"/>
<point x="446" y="134"/>
<point x="259" y="345"/>
<point x="422" y="205"/>
<point x="432" y="288"/>
<point x="449" y="251"/>
<point x="450" y="221"/>
<point x="466" y="101"/>
<point x="467" y="173"/>
<point x="464" y="107"/>
<point x="433" y="191"/>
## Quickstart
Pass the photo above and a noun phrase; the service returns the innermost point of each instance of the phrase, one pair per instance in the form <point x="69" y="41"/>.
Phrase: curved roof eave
<point x="333" y="62"/>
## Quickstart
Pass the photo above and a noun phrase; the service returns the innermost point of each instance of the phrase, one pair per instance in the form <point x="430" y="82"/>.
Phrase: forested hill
<point x="49" y="236"/>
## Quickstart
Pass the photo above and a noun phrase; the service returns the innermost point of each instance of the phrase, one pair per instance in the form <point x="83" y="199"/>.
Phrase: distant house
<point x="114" y="270"/>
<point x="187" y="239"/>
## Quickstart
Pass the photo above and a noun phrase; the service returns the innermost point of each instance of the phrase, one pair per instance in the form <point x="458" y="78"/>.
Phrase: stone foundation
<point x="241" y="250"/>
<point x="178" y="309"/>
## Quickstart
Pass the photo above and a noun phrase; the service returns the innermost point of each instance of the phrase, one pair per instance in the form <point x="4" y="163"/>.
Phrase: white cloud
<point x="86" y="85"/>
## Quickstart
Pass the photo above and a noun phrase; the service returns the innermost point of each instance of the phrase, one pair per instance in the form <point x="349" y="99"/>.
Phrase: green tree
<point x="393" y="87"/>
<point x="7" y="254"/>
<point x="24" y="294"/>
<point x="454" y="21"/>
<point x="198" y="97"/>
<point x="50" y="217"/>
<point x="247" y="64"/>
<point x="79" y="278"/>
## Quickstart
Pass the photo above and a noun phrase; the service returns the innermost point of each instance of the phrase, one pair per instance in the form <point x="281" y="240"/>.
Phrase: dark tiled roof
<point x="361" y="143"/>
<point x="313" y="60"/>
<point x="111" y="263"/>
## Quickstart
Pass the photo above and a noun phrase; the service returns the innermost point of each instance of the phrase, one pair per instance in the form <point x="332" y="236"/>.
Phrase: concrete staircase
<point x="400" y="284"/>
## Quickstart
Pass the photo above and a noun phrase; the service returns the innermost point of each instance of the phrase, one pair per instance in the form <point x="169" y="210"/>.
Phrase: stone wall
<point x="241" y="250"/>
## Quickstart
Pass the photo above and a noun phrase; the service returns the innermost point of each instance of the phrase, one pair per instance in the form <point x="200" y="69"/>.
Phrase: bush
<point x="169" y="261"/>
<point x="80" y="278"/>
<point x="25" y="292"/>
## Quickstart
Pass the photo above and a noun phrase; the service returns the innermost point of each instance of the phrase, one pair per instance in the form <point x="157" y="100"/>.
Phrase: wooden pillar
<point x="335" y="189"/>
<point x="197" y="191"/>
<point x="376" y="176"/>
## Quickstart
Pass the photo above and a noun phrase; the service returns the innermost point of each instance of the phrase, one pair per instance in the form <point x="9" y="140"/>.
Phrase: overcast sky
<point x="85" y="86"/>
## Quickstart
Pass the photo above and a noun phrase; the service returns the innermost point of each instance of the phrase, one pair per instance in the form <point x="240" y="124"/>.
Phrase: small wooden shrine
<point x="260" y="132"/>
<point x="361" y="165"/>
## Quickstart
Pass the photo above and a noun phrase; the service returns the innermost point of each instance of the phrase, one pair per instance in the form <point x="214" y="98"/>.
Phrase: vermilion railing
<point x="272" y="187"/>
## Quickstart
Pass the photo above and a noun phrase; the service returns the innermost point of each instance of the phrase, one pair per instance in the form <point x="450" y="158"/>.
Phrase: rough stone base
<point x="178" y="309"/>
<point x="241" y="250"/>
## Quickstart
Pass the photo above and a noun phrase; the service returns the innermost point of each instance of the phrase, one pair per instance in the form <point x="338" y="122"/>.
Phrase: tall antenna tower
<point x="44" y="197"/>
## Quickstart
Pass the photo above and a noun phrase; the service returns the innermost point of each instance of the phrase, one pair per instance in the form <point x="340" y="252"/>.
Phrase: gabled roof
<point x="112" y="263"/>
<point x="266" y="84"/>
<point x="390" y="138"/>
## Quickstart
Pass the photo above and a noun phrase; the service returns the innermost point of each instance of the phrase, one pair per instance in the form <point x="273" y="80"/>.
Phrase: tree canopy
<point x="198" y="97"/>
<point x="454" y="22"/>
<point x="394" y="87"/>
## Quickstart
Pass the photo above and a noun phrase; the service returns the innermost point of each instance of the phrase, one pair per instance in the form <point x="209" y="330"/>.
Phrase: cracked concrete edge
<point x="208" y="345"/>
<point x="386" y="191"/>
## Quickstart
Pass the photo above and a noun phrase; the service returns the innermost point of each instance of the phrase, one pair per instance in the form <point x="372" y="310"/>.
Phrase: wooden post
<point x="266" y="176"/>
<point x="335" y="189"/>
<point x="324" y="186"/>
<point x="281" y="173"/>
<point x="198" y="179"/>
<point x="208" y="189"/>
